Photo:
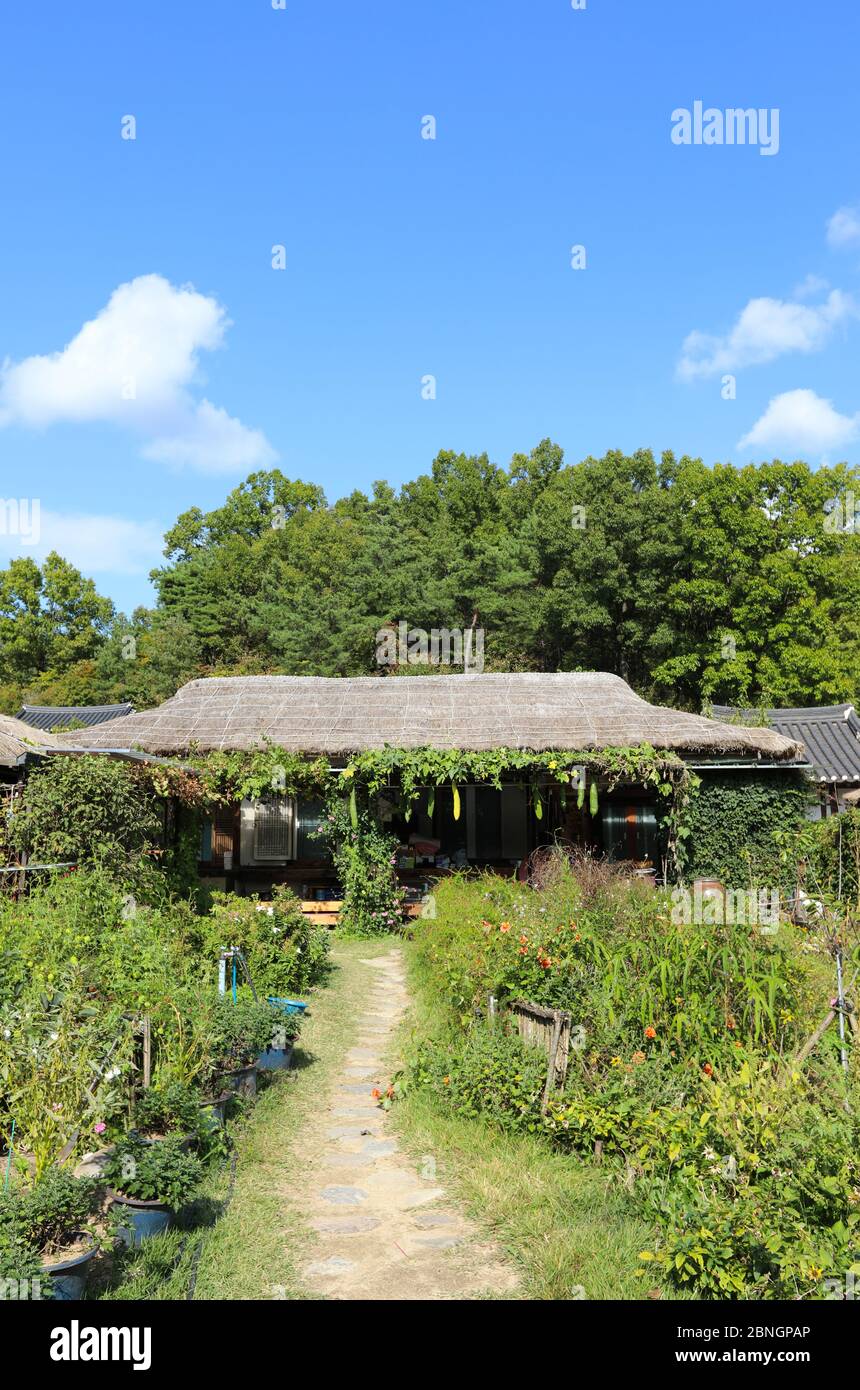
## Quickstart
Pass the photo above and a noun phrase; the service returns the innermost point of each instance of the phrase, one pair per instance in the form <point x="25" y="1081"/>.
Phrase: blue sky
<point x="407" y="257"/>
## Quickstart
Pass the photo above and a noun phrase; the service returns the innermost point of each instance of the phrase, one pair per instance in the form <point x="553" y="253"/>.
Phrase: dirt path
<point x="384" y="1227"/>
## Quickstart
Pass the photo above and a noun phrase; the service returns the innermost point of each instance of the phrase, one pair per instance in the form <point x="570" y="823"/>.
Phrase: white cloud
<point x="843" y="228"/>
<point x="810" y="285"/>
<point x="94" y="544"/>
<point x="211" y="434"/>
<point x="134" y="365"/>
<point x="803" y="422"/>
<point x="765" y="329"/>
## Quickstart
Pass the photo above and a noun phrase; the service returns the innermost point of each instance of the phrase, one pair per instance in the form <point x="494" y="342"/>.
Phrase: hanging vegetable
<point x="580" y="795"/>
<point x="353" y="809"/>
<point x="431" y="802"/>
<point x="538" y="803"/>
<point x="456" y="803"/>
<point x="592" y="804"/>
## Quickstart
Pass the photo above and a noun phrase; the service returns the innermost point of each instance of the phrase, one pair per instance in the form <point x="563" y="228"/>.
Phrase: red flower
<point x="708" y="1069"/>
<point x="650" y="1032"/>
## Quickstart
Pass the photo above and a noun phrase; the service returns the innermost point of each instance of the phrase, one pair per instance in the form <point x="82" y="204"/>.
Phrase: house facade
<point x="250" y="846"/>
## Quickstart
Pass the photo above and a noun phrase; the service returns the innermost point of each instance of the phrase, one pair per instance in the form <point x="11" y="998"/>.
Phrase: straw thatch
<point x="17" y="740"/>
<point x="316" y="715"/>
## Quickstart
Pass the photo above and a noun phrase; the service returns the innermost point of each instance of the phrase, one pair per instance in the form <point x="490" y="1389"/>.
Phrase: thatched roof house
<point x="316" y="715"/>
<point x="18" y="741"/>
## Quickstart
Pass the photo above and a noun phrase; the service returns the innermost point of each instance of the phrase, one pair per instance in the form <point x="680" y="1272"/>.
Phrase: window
<point x="275" y="829"/>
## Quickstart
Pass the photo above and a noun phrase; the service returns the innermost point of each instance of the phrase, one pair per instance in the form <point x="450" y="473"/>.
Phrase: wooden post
<point x="146" y="1029"/>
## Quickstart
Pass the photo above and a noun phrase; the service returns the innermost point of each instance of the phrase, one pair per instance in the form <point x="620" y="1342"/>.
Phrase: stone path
<point x="385" y="1228"/>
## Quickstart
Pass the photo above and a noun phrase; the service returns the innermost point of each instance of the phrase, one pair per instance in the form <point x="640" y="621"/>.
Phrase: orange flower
<point x="446" y="1081"/>
<point x="650" y="1032"/>
<point x="376" y="1094"/>
<point x="390" y="1092"/>
<point x="638" y="1057"/>
<point x="504" y="926"/>
<point x="708" y="1069"/>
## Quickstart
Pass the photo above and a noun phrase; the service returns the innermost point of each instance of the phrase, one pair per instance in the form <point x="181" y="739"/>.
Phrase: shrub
<point x="45" y="1217"/>
<point x="286" y="953"/>
<point x="89" y="810"/>
<point x="173" y="1108"/>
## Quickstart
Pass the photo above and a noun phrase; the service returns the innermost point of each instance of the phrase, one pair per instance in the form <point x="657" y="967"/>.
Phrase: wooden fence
<point x="548" y="1029"/>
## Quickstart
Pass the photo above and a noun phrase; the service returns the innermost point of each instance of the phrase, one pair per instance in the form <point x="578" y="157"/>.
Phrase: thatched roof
<point x="316" y="715"/>
<point x="17" y="740"/>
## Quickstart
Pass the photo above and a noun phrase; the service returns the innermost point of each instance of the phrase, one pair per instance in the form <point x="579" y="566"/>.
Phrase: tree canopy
<point x="695" y="583"/>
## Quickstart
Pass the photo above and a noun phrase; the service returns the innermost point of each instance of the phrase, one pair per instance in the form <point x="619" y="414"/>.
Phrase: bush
<point x="286" y="953"/>
<point x="175" y="1108"/>
<point x="92" y="810"/>
<point x="46" y="1216"/>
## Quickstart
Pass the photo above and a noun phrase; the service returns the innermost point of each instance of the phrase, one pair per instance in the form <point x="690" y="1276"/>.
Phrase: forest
<point x="695" y="583"/>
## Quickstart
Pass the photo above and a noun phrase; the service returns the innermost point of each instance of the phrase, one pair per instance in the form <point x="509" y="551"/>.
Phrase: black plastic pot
<point x="242" y="1081"/>
<point x="212" y="1111"/>
<point x="68" y="1278"/>
<point x="139" y="1220"/>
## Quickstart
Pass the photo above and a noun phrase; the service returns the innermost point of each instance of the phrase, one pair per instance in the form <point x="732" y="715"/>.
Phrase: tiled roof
<point x="830" y="734"/>
<point x="60" y="716"/>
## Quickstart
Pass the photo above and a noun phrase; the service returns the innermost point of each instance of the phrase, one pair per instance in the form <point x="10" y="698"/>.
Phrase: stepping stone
<point x="439" y="1242"/>
<point x="346" y="1225"/>
<point x="379" y="1148"/>
<point x="335" y="1265"/>
<point x="362" y="1057"/>
<point x="348" y="1160"/>
<point x="357" y="1089"/>
<point x="358" y="1072"/>
<point x="420" y="1199"/>
<point x="428" y="1220"/>
<point x="344" y="1196"/>
<point x="353" y="1131"/>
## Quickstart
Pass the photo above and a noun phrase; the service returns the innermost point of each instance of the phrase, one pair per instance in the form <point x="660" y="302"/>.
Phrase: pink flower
<point x="100" y="1127"/>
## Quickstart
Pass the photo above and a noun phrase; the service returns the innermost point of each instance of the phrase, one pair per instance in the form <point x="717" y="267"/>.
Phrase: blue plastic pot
<point x="68" y="1278"/>
<point x="140" y="1221"/>
<point x="287" y="1006"/>
<point x="275" y="1058"/>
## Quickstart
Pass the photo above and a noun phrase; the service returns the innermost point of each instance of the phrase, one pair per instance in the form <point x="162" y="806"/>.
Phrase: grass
<point x="254" y="1249"/>
<point x="568" y="1225"/>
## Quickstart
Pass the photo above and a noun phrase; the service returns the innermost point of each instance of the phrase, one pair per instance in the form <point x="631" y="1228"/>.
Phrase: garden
<point x="124" y="1068"/>
<point x="701" y="1081"/>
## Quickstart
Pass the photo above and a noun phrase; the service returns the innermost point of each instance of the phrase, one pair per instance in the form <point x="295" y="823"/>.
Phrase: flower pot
<point x="212" y="1112"/>
<point x="139" y="1220"/>
<point x="242" y="1081"/>
<point x="275" y="1058"/>
<point x="68" y="1278"/>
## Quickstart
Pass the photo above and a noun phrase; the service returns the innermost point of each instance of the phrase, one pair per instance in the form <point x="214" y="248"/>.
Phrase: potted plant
<point x="241" y="1030"/>
<point x="44" y="1234"/>
<point x="277" y="1055"/>
<point x="160" y="1111"/>
<point x="149" y="1183"/>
